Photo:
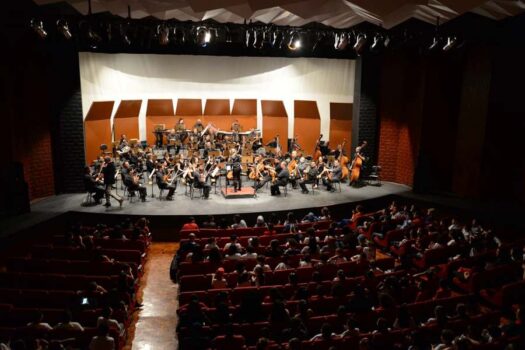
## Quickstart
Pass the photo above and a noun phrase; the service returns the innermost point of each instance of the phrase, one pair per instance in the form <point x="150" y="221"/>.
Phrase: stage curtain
<point x="97" y="129"/>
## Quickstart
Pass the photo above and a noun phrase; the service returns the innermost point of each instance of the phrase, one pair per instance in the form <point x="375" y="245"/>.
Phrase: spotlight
<point x="203" y="36"/>
<point x="163" y="33"/>
<point x="359" y="45"/>
<point x="341" y="41"/>
<point x="376" y="45"/>
<point x="435" y="43"/>
<point x="38" y="27"/>
<point x="180" y="35"/>
<point x="295" y="42"/>
<point x="124" y="34"/>
<point x="63" y="28"/>
<point x="451" y="43"/>
<point x="318" y="39"/>
<point x="277" y="39"/>
<point x="387" y="41"/>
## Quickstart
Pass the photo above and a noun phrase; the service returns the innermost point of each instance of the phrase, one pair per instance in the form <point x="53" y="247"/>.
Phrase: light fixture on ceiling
<point x="436" y="39"/>
<point x="318" y="38"/>
<point x="204" y="36"/>
<point x="359" y="45"/>
<point x="341" y="41"/>
<point x="163" y="32"/>
<point x="63" y="28"/>
<point x="38" y="28"/>
<point x="451" y="43"/>
<point x="377" y="44"/>
<point x="295" y="41"/>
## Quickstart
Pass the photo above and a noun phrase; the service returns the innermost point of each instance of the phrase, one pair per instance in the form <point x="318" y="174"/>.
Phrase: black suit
<point x="201" y="184"/>
<point x="236" y="170"/>
<point x="282" y="180"/>
<point x="109" y="172"/>
<point x="93" y="186"/>
<point x="127" y="178"/>
<point x="163" y="185"/>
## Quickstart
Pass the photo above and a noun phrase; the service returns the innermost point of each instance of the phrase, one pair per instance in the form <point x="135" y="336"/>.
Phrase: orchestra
<point x="200" y="156"/>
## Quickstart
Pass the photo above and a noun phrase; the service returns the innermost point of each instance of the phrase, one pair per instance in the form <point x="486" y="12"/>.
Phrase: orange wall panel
<point x="127" y="126"/>
<point x="97" y="128"/>
<point x="160" y="107"/>
<point x="218" y="107"/>
<point x="341" y="125"/>
<point x="96" y="132"/>
<point x="151" y="121"/>
<point x="244" y="107"/>
<point x="308" y="130"/>
<point x="189" y="106"/>
<point x="273" y="126"/>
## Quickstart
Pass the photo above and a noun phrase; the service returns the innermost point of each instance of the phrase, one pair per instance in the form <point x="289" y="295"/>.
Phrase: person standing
<point x="109" y="171"/>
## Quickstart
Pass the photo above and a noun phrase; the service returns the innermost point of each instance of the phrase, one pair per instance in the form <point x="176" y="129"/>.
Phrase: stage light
<point x="341" y="41"/>
<point x="295" y="41"/>
<point x="435" y="43"/>
<point x="163" y="33"/>
<point x="376" y="45"/>
<point x="63" y="28"/>
<point x="38" y="27"/>
<point x="203" y="36"/>
<point x="319" y="36"/>
<point x="180" y="35"/>
<point x="359" y="45"/>
<point x="451" y="43"/>
<point x="387" y="41"/>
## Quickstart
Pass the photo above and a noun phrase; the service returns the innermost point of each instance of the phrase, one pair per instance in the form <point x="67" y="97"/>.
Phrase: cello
<point x="356" y="165"/>
<point x="343" y="161"/>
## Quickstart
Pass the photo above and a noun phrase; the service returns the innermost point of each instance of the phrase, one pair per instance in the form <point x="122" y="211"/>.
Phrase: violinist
<point x="263" y="175"/>
<point x="200" y="178"/>
<point x="292" y="168"/>
<point x="310" y="174"/>
<point x="333" y="176"/>
<point x="93" y="185"/>
<point x="162" y="176"/>
<point x="281" y="180"/>
<point x="150" y="163"/>
<point x="131" y="181"/>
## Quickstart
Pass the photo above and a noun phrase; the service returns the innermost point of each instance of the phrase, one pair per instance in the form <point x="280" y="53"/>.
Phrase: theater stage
<point x="181" y="205"/>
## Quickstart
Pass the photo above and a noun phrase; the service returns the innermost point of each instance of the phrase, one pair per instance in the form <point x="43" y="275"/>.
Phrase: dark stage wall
<point x="453" y="123"/>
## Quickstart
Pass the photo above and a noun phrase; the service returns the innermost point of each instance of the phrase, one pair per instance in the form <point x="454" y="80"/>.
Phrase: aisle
<point x="156" y="322"/>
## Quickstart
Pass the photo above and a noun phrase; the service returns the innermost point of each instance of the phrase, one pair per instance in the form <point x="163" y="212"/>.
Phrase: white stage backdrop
<point x="139" y="76"/>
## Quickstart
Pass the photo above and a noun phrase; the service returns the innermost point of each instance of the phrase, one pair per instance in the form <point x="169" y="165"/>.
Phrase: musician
<point x="150" y="163"/>
<point x="310" y="174"/>
<point x="336" y="173"/>
<point x="262" y="172"/>
<point x="123" y="142"/>
<point x="294" y="144"/>
<point x="199" y="179"/>
<point x="180" y="128"/>
<point x="281" y="180"/>
<point x="236" y="170"/>
<point x="131" y="181"/>
<point x="236" y="127"/>
<point x="93" y="185"/>
<point x="198" y="127"/>
<point x="162" y="181"/>
<point x="357" y="162"/>
<point x="292" y="165"/>
<point x="109" y="171"/>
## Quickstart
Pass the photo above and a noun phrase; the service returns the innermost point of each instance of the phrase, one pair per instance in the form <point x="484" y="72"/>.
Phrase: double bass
<point x="317" y="150"/>
<point x="357" y="163"/>
<point x="343" y="161"/>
